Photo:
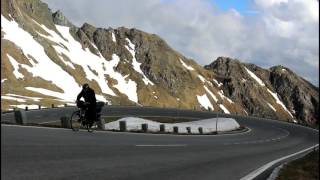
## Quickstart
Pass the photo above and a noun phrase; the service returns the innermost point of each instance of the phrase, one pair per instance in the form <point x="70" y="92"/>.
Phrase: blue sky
<point x="268" y="32"/>
<point x="242" y="6"/>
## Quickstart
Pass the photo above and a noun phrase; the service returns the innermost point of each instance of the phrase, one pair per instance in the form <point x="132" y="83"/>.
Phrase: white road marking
<point x="262" y="141"/>
<point x="161" y="145"/>
<point x="48" y="122"/>
<point x="128" y="132"/>
<point x="260" y="170"/>
<point x="38" y="127"/>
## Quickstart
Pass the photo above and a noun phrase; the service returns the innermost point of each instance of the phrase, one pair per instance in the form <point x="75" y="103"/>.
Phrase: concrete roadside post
<point x="188" y="130"/>
<point x="162" y="128"/>
<point x="65" y="122"/>
<point x="144" y="127"/>
<point x="175" y="129"/>
<point x="123" y="125"/>
<point x="217" y="124"/>
<point x="100" y="124"/>
<point x="20" y="116"/>
<point x="200" y="130"/>
<point x="178" y="99"/>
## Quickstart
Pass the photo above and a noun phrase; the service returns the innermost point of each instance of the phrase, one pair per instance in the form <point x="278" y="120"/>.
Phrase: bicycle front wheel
<point x="75" y="121"/>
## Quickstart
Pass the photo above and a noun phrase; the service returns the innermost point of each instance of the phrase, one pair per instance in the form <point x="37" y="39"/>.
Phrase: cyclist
<point x="90" y="101"/>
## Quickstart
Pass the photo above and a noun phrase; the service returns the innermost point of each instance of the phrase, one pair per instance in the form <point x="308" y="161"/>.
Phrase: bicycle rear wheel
<point x="75" y="121"/>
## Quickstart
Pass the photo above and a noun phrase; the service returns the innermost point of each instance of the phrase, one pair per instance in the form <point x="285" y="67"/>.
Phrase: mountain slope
<point x="266" y="92"/>
<point x="49" y="58"/>
<point x="46" y="59"/>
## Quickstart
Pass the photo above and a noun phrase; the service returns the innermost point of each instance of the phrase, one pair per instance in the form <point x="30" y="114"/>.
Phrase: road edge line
<point x="263" y="168"/>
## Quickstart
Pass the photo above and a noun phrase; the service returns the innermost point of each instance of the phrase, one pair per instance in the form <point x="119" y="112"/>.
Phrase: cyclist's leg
<point x="86" y="116"/>
<point x="91" y="115"/>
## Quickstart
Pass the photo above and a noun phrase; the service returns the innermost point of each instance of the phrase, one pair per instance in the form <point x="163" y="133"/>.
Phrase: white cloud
<point x="281" y="32"/>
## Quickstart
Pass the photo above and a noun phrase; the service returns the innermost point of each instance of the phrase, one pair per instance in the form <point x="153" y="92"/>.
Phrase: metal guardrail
<point x="218" y="114"/>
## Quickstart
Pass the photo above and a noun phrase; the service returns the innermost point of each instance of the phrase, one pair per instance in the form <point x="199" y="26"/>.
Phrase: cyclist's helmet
<point x="85" y="86"/>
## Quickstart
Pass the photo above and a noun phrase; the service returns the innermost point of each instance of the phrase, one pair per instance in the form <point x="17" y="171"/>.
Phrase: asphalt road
<point x="48" y="153"/>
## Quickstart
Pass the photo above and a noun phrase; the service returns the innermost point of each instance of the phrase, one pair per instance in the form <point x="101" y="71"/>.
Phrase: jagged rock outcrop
<point x="297" y="93"/>
<point x="299" y="96"/>
<point x="60" y="19"/>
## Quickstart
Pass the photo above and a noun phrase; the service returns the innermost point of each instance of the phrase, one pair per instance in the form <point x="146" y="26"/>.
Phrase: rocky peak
<point x="88" y="29"/>
<point x="60" y="19"/>
<point x="299" y="96"/>
<point x="224" y="66"/>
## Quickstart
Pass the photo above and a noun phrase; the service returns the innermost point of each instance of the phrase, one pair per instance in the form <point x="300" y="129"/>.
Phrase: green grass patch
<point x="306" y="168"/>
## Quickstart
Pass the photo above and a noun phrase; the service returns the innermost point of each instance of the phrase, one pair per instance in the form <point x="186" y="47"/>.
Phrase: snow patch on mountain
<point x="113" y="37"/>
<point x="221" y="94"/>
<point x="136" y="65"/>
<point x="79" y="56"/>
<point x="29" y="46"/>
<point x="204" y="101"/>
<point x="204" y="80"/>
<point x="225" y="110"/>
<point x="20" y="96"/>
<point x="186" y="66"/>
<point x="259" y="81"/>
<point x="13" y="98"/>
<point x="201" y="78"/>
<point x="271" y="107"/>
<point x="15" y="65"/>
<point x="217" y="83"/>
<point x="211" y="94"/>
<point x="23" y="106"/>
<point x="61" y="96"/>
<point x="275" y="96"/>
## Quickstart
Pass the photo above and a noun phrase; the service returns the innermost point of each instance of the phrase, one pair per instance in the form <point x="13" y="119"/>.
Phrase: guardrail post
<point x="65" y="122"/>
<point x="188" y="130"/>
<point x="162" y="128"/>
<point x="123" y="125"/>
<point x="200" y="130"/>
<point x="100" y="124"/>
<point x="20" y="116"/>
<point x="26" y="108"/>
<point x="175" y="129"/>
<point x="144" y="127"/>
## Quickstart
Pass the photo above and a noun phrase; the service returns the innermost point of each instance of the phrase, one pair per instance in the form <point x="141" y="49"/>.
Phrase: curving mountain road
<point x="48" y="153"/>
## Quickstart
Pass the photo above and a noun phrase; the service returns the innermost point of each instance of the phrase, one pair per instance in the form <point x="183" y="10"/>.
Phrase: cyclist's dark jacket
<point x="90" y="97"/>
